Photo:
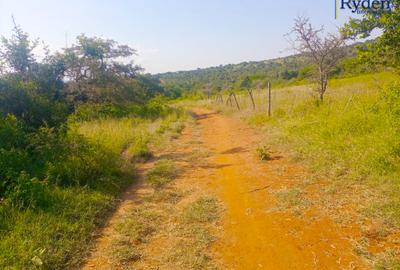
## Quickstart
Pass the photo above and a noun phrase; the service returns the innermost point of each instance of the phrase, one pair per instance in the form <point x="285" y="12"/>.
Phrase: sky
<point x="173" y="35"/>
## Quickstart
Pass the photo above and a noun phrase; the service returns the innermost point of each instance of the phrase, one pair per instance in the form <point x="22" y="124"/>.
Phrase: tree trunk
<point x="269" y="99"/>
<point x="323" y="86"/>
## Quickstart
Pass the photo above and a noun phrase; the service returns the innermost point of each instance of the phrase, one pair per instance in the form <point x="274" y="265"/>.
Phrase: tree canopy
<point x="386" y="49"/>
<point x="46" y="89"/>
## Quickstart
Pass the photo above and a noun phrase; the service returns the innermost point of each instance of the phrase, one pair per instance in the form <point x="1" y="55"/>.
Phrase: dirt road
<point x="257" y="231"/>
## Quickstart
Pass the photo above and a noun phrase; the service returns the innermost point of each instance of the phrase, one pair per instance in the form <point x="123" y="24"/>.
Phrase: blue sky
<point x="173" y="35"/>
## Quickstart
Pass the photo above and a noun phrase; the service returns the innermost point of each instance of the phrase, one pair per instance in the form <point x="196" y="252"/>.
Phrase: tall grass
<point x="284" y="100"/>
<point x="114" y="134"/>
<point x="56" y="237"/>
<point x="47" y="219"/>
<point x="132" y="135"/>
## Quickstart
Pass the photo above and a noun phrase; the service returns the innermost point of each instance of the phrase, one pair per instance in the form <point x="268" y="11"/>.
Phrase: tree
<point x="386" y="49"/>
<point x="96" y="66"/>
<point x="17" y="52"/>
<point x="324" y="51"/>
<point x="30" y="90"/>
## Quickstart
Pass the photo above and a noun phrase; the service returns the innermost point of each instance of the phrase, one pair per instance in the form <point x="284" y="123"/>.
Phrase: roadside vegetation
<point x="69" y="144"/>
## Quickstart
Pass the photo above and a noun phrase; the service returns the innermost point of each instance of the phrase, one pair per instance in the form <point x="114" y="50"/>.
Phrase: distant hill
<point x="284" y="70"/>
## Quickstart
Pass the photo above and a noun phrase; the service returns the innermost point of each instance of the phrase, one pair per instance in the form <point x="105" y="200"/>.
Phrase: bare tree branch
<point x="324" y="51"/>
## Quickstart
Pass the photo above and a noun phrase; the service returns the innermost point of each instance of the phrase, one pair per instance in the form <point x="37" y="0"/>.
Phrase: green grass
<point x="131" y="231"/>
<point x="114" y="134"/>
<point x="139" y="149"/>
<point x="292" y="200"/>
<point x="163" y="172"/>
<point x="203" y="210"/>
<point x="54" y="238"/>
<point x="47" y="222"/>
<point x="193" y="222"/>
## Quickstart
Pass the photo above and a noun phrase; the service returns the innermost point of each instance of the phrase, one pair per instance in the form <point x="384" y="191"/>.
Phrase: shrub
<point x="264" y="152"/>
<point x="12" y="133"/>
<point x="22" y="100"/>
<point x="82" y="163"/>
<point x="26" y="192"/>
<point x="151" y="110"/>
<point x="12" y="162"/>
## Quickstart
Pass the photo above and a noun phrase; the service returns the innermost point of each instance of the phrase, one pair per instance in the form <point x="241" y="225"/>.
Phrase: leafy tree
<point x="289" y="74"/>
<point x="386" y="49"/>
<point x="246" y="83"/>
<point x="17" y="53"/>
<point x="30" y="90"/>
<point x="93" y="68"/>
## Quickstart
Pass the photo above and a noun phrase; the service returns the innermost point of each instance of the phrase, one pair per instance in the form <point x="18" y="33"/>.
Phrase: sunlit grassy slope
<point x="132" y="135"/>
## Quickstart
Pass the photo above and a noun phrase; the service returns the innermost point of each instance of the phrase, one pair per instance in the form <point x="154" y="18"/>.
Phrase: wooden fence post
<point x="252" y="99"/>
<point x="237" y="103"/>
<point x="269" y="98"/>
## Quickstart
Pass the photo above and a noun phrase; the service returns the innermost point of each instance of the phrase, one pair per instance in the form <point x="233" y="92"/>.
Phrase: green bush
<point x="62" y="158"/>
<point x="152" y="110"/>
<point x="81" y="163"/>
<point x="11" y="132"/>
<point x="22" y="100"/>
<point x="27" y="192"/>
